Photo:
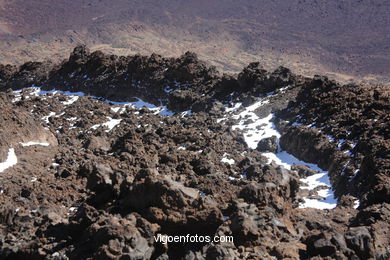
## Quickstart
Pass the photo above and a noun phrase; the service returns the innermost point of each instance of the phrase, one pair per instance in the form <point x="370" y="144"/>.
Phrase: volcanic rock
<point x="269" y="144"/>
<point x="99" y="179"/>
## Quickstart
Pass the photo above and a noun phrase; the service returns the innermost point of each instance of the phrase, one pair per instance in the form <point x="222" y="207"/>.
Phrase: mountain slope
<point x="344" y="39"/>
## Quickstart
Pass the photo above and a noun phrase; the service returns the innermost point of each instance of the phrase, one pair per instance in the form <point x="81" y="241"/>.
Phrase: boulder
<point x="268" y="145"/>
<point x="360" y="241"/>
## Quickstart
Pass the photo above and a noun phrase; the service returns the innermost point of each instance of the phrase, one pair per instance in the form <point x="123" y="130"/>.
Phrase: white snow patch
<point x="10" y="161"/>
<point x="110" y="124"/>
<point x="75" y="95"/>
<point x="345" y="167"/>
<point x="341" y="142"/>
<point x="162" y="110"/>
<point x="233" y="108"/>
<point x="355" y="172"/>
<point x="95" y="126"/>
<point x="186" y="113"/>
<point x="16" y="99"/>
<point x="225" y="159"/>
<point x="115" y="109"/>
<point x="296" y="124"/>
<point x="316" y="180"/>
<point x="38" y="91"/>
<point x="219" y="120"/>
<point x="71" y="100"/>
<point x="46" y="118"/>
<point x="282" y="90"/>
<point x="317" y="204"/>
<point x="181" y="148"/>
<point x="330" y="138"/>
<point x="356" y="204"/>
<point x="34" y="143"/>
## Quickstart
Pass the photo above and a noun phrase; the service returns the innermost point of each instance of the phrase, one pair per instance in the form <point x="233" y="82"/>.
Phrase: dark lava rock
<point x="182" y="100"/>
<point x="360" y="241"/>
<point x="269" y="144"/>
<point x="98" y="143"/>
<point x="309" y="145"/>
<point x="303" y="171"/>
<point x="203" y="167"/>
<point x="259" y="81"/>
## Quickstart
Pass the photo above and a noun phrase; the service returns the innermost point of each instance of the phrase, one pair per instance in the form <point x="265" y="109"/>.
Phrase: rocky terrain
<point x="345" y="40"/>
<point x="101" y="153"/>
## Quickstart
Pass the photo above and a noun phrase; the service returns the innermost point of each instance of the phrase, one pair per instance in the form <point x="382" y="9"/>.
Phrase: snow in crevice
<point x="162" y="110"/>
<point x="71" y="100"/>
<point x="46" y="118"/>
<point x="186" y="113"/>
<point x="71" y="118"/>
<point x="60" y="115"/>
<point x="277" y="91"/>
<point x="296" y="124"/>
<point x="340" y="143"/>
<point x="234" y="108"/>
<point x="115" y="109"/>
<point x="355" y="173"/>
<point x="10" y="161"/>
<point x="320" y="179"/>
<point x="356" y="204"/>
<point x="35" y="143"/>
<point x="345" y="167"/>
<point x="110" y="124"/>
<point x="255" y="129"/>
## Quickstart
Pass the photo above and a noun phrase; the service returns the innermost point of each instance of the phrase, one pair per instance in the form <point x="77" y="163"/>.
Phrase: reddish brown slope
<point x="345" y="39"/>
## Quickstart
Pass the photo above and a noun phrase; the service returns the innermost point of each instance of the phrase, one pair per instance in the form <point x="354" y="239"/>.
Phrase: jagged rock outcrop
<point x="355" y="117"/>
<point x="259" y="81"/>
